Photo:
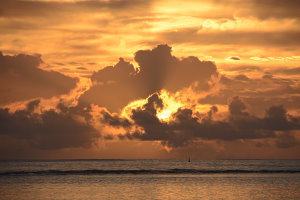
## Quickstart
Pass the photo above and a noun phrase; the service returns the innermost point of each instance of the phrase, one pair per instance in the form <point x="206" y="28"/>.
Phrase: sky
<point x="212" y="79"/>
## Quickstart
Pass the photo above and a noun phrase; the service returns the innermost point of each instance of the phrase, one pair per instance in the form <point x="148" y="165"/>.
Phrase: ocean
<point x="150" y="179"/>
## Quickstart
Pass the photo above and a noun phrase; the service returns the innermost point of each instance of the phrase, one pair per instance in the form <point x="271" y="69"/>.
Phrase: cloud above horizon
<point x="179" y="102"/>
<point x="257" y="8"/>
<point x="98" y="30"/>
<point x="21" y="78"/>
<point x="116" y="86"/>
<point x="149" y="78"/>
<point x="186" y="126"/>
<point x="59" y="128"/>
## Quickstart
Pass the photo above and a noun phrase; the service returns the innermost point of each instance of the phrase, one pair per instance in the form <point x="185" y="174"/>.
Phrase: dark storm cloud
<point x="286" y="140"/>
<point x="20" y="8"/>
<point x="185" y="127"/>
<point x="256" y="8"/>
<point x="115" y="86"/>
<point x="258" y="93"/>
<point x="234" y="58"/>
<point x="82" y="68"/>
<point x="51" y="129"/>
<point x="286" y="8"/>
<point x="115" y="4"/>
<point x="241" y="77"/>
<point x="114" y="120"/>
<point x="264" y="9"/>
<point x="194" y="36"/>
<point x="245" y="68"/>
<point x="237" y="107"/>
<point x="291" y="71"/>
<point x="280" y="9"/>
<point x="21" y="79"/>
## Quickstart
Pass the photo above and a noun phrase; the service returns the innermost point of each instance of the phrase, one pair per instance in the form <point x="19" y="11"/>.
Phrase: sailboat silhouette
<point x="189" y="160"/>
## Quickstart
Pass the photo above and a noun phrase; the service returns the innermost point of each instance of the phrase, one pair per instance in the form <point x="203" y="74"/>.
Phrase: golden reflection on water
<point x="234" y="186"/>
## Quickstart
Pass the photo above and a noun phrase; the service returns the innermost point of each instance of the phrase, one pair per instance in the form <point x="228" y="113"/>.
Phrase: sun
<point x="171" y="105"/>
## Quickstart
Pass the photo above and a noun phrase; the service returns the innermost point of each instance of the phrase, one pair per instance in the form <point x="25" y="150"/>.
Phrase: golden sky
<point x="149" y="79"/>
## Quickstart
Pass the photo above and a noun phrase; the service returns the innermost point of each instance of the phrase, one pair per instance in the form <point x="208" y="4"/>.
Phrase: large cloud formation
<point x="186" y="126"/>
<point x="22" y="79"/>
<point x="160" y="70"/>
<point x="59" y="128"/>
<point x="259" y="92"/>
<point x="260" y="109"/>
<point x="116" y="86"/>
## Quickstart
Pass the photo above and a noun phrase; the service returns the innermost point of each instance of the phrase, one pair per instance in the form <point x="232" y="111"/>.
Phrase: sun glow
<point x="171" y="105"/>
<point x="127" y="110"/>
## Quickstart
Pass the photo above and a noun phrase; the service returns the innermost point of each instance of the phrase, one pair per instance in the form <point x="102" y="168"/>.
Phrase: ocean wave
<point x="144" y="171"/>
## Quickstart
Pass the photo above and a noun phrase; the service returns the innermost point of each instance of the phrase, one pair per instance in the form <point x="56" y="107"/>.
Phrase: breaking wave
<point x="141" y="171"/>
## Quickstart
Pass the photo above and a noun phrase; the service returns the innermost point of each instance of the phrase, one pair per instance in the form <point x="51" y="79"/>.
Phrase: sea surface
<point x="150" y="179"/>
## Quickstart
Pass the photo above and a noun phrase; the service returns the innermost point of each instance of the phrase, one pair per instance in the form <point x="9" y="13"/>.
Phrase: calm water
<point x="150" y="179"/>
